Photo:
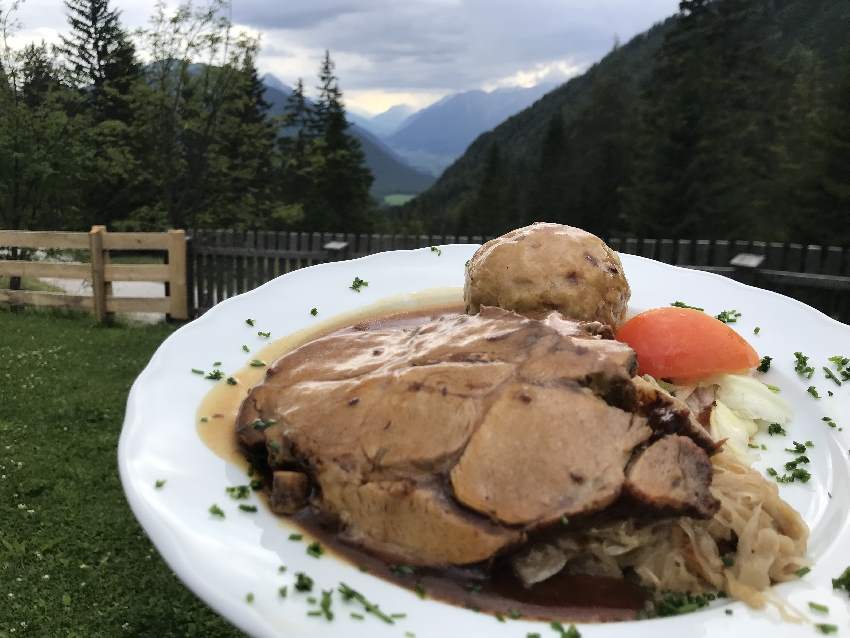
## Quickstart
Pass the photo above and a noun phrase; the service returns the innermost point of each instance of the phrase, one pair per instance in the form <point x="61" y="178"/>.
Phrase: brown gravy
<point x="564" y="597"/>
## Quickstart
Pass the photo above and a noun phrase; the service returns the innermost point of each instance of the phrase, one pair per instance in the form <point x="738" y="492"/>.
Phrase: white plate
<point x="223" y="560"/>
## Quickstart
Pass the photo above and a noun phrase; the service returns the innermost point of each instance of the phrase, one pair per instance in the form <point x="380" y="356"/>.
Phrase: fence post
<point x="178" y="299"/>
<point x="98" y="278"/>
<point x="191" y="306"/>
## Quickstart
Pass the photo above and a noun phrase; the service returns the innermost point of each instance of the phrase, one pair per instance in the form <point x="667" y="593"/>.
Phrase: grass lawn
<point x="73" y="560"/>
<point x="397" y="199"/>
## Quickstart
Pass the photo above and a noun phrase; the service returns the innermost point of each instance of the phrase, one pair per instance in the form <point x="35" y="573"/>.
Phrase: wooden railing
<point x="99" y="270"/>
<point x="226" y="262"/>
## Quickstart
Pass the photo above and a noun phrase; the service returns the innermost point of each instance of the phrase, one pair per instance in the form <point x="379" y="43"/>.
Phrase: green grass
<point x="73" y="560"/>
<point x="397" y="199"/>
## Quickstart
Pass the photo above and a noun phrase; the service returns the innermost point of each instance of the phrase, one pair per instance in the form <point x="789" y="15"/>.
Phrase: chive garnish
<point x="315" y="550"/>
<point x="831" y="376"/>
<point x="843" y="581"/>
<point x="358" y="284"/>
<point x="569" y="632"/>
<point x="159" y="483"/>
<point x="238" y="492"/>
<point x="682" y="304"/>
<point x="314" y="311"/>
<point x="801" y="365"/>
<point x="215" y="510"/>
<point x="348" y="594"/>
<point x="728" y="316"/>
<point x="303" y="582"/>
<point x="325" y="604"/>
<point x="196" y="371"/>
<point x="257" y="363"/>
<point x="250" y="322"/>
<point x="247" y="508"/>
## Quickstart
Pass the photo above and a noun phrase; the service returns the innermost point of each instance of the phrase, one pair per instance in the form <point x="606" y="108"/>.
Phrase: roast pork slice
<point x="673" y="474"/>
<point x="668" y="415"/>
<point x="412" y="523"/>
<point x="543" y="453"/>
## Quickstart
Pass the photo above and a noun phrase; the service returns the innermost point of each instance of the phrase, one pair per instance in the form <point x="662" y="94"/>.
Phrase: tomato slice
<point x="685" y="345"/>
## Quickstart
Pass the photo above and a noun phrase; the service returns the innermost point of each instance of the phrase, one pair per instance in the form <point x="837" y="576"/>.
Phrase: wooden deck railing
<point x="226" y="262"/>
<point x="99" y="270"/>
<point x="209" y="266"/>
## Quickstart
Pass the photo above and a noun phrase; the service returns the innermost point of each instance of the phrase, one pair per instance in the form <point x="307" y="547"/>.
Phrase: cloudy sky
<point x="412" y="51"/>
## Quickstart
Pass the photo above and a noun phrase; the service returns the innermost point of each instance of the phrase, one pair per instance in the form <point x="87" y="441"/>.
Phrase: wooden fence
<point x="209" y="266"/>
<point x="225" y="262"/>
<point x="99" y="270"/>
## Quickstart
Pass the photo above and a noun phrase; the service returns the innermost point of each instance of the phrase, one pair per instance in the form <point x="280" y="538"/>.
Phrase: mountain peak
<point x="272" y="81"/>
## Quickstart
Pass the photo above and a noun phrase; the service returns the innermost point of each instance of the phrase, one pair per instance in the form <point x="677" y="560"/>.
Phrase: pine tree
<point x="662" y="199"/>
<point x="490" y="211"/>
<point x="832" y="219"/>
<point x="548" y="202"/>
<point x="599" y="177"/>
<point x="704" y="167"/>
<point x="99" y="56"/>
<point x="798" y="145"/>
<point x="341" y="183"/>
<point x="42" y="154"/>
<point x="294" y="148"/>
<point x="242" y="149"/>
<point x="38" y="75"/>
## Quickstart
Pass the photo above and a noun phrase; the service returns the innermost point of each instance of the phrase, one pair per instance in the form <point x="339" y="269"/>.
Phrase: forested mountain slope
<point x="728" y="119"/>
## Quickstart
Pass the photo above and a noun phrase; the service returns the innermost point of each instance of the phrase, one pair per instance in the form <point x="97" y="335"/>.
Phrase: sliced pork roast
<point x="450" y="443"/>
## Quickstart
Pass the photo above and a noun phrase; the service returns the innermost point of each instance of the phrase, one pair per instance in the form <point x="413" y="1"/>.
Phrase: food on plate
<point x="522" y="437"/>
<point x="448" y="444"/>
<point x="685" y="343"/>
<point x="545" y="267"/>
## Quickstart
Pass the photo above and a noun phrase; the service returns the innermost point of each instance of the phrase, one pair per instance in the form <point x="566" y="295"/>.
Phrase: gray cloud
<point x="425" y="46"/>
<point x="445" y="45"/>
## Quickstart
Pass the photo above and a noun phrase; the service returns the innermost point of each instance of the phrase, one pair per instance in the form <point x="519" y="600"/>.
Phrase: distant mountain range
<point x="407" y="149"/>
<point x="392" y="174"/>
<point x="391" y="120"/>
<point x="434" y="137"/>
